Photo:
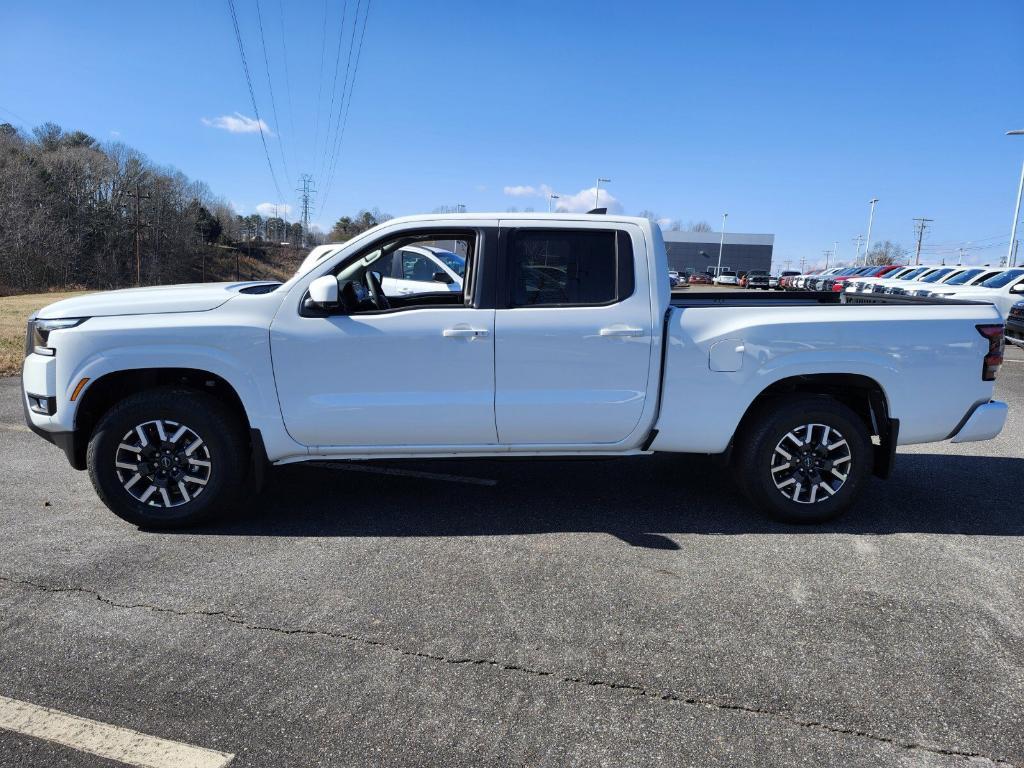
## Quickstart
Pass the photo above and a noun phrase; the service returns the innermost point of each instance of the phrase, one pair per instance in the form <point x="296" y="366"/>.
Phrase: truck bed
<point x="801" y="299"/>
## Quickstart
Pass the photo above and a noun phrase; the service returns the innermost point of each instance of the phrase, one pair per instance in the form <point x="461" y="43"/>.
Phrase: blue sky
<point x="790" y="116"/>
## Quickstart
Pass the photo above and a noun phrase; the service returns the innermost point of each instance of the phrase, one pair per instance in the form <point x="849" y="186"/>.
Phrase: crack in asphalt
<point x="639" y="690"/>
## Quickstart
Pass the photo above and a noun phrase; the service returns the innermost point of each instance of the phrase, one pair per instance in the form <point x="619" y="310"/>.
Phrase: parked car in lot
<point x="1015" y="323"/>
<point x="756" y="278"/>
<point x="700" y="278"/>
<point x="838" y="282"/>
<point x="879" y="285"/>
<point x="726" y="277"/>
<point x="175" y="397"/>
<point x="962" y="277"/>
<point x="865" y="282"/>
<point x="786" y="279"/>
<point x="1004" y="290"/>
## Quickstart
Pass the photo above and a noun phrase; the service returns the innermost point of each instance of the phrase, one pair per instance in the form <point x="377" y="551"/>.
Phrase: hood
<point x="196" y="297"/>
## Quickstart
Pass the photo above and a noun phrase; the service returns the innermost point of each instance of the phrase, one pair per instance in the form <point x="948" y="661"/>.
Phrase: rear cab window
<point x="569" y="267"/>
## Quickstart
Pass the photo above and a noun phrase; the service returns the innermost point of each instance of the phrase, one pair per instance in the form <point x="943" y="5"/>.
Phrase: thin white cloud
<point x="236" y="123"/>
<point x="268" y="209"/>
<point x="580" y="202"/>
<point x="584" y="200"/>
<point x="115" y="134"/>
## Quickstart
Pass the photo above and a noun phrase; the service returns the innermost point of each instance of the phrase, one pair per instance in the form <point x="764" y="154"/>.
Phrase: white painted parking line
<point x="109" y="741"/>
<point x="348" y="467"/>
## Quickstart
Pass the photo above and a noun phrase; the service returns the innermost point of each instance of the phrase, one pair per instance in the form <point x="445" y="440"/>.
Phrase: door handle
<point x="464" y="333"/>
<point x="621" y="332"/>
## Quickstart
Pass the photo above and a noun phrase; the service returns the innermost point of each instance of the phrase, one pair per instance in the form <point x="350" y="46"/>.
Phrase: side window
<point x="569" y="267"/>
<point x="416" y="266"/>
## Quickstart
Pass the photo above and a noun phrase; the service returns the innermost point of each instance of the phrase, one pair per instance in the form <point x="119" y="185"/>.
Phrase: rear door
<point x="573" y="333"/>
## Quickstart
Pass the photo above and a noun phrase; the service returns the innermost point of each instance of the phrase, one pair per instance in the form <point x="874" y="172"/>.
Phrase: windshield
<point x="912" y="273"/>
<point x="1005" y="278"/>
<point x="936" y="275"/>
<point x="964" y="276"/>
<point x="453" y="261"/>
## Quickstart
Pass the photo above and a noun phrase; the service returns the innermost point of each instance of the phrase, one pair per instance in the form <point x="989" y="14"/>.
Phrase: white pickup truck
<point x="563" y="341"/>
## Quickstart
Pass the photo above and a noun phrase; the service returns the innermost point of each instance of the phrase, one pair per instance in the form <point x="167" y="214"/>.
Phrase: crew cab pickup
<point x="562" y="340"/>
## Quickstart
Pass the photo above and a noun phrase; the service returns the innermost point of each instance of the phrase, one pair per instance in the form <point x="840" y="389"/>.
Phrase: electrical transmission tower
<point x="306" y="193"/>
<point x="920" y="224"/>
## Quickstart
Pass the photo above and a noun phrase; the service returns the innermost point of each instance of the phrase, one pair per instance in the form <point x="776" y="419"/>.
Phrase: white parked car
<point x="963" y="276"/>
<point x="726" y="277"/>
<point x="1004" y="290"/>
<point x="880" y="285"/>
<point x="565" y="340"/>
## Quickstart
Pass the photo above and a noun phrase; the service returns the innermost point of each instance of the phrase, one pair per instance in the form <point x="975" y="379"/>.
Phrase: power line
<point x="287" y="76"/>
<point x="355" y="74"/>
<point x="270" y="85"/>
<point x="320" y="86"/>
<point x="252" y="96"/>
<point x="334" y="80"/>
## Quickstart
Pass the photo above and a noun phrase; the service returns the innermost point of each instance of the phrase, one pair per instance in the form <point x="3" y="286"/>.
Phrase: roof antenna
<point x="598" y="210"/>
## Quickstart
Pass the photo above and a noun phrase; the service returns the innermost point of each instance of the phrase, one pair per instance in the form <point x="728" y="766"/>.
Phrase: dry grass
<point x="14" y="312"/>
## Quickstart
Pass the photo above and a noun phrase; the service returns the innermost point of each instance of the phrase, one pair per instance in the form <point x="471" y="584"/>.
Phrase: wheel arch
<point x="864" y="395"/>
<point x="106" y="391"/>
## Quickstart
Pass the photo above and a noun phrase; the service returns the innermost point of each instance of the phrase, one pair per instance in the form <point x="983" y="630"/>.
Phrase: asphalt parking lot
<point x="629" y="612"/>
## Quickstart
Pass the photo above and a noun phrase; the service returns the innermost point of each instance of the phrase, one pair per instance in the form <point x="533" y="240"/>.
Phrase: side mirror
<point x="324" y="291"/>
<point x="443" y="277"/>
<point x="1018" y="288"/>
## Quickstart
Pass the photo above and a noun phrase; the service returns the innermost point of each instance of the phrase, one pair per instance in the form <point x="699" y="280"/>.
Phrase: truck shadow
<point x="643" y="501"/>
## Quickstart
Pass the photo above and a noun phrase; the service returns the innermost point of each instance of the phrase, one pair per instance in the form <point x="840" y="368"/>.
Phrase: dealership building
<point x="698" y="251"/>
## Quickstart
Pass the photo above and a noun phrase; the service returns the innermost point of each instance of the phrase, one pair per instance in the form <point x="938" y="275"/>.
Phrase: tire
<point x="810" y="486"/>
<point x="182" y="483"/>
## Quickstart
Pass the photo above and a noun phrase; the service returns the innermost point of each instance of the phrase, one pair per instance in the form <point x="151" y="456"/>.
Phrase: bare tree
<point x="887" y="252"/>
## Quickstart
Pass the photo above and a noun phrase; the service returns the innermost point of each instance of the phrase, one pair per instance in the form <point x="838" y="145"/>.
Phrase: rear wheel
<point x="804" y="459"/>
<point x="166" y="458"/>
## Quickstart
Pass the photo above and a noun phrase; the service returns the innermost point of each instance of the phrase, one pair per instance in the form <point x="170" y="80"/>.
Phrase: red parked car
<point x="699" y="278"/>
<point x="839" y="281"/>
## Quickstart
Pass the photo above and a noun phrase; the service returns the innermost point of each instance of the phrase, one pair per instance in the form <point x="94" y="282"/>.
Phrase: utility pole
<point x="551" y="197"/>
<point x="802" y="260"/>
<point x="920" y="224"/>
<point x="871" y="220"/>
<point x="826" y="254"/>
<point x="721" y="246"/>
<point x="138" y="229"/>
<point x="597" y="191"/>
<point x="859" y="239"/>
<point x="306" y="193"/>
<point x="960" y="261"/>
<point x="1011" y="254"/>
<point x="460" y="208"/>
<point x="786" y="263"/>
<point x="835" y="250"/>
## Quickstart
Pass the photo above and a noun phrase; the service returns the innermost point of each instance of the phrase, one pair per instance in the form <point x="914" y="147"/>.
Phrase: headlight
<point x="39" y="333"/>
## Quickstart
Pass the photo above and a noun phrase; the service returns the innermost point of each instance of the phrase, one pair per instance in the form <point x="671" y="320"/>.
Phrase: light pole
<point x="871" y="219"/>
<point x="550" y="198"/>
<point x="1011" y="253"/>
<point x="835" y="251"/>
<point x="858" y="239"/>
<point x="597" y="191"/>
<point x="721" y="245"/>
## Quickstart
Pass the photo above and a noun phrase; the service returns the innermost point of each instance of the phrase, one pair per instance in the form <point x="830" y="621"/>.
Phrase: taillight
<point x="994" y="358"/>
<point x="836" y="287"/>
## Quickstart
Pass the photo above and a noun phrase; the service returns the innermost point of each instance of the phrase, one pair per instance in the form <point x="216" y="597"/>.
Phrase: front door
<point x="409" y="376"/>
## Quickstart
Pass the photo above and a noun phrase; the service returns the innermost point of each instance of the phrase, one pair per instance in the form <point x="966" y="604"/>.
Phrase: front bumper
<point x="983" y="423"/>
<point x="1015" y="330"/>
<point x="56" y="425"/>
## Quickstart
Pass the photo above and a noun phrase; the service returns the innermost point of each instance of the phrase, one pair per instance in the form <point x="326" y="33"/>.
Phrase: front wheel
<point x="804" y="459"/>
<point x="167" y="458"/>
